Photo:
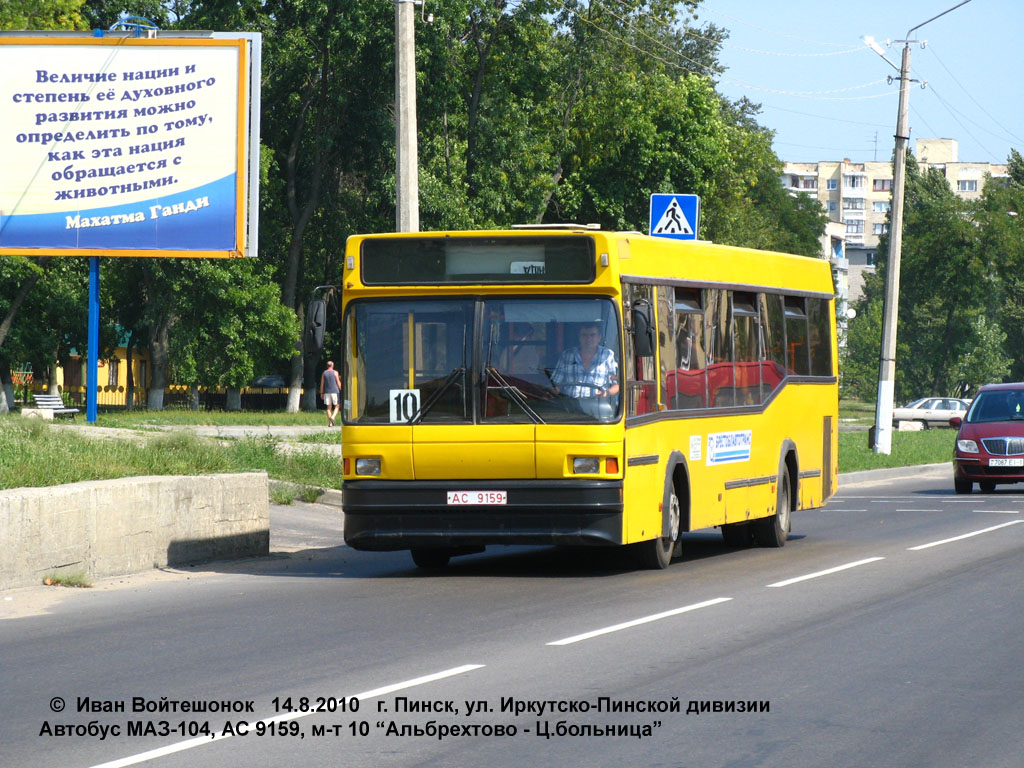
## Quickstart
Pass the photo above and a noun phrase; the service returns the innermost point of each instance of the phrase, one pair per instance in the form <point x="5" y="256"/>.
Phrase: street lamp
<point x="887" y="356"/>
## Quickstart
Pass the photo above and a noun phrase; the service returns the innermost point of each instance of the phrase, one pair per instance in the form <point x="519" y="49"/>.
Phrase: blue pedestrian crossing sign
<point x="675" y="216"/>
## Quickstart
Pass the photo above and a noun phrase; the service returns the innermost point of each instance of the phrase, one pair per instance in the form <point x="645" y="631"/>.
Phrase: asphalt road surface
<point x="887" y="632"/>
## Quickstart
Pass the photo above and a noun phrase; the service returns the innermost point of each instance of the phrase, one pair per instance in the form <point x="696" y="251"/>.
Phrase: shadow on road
<point x="497" y="562"/>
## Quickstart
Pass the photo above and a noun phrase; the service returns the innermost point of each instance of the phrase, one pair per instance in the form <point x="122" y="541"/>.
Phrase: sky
<point x="825" y="94"/>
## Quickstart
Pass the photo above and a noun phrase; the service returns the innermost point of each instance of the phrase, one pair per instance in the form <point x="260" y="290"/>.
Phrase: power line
<point x="819" y="95"/>
<point x="827" y="149"/>
<point x="773" y="32"/>
<point x="967" y="130"/>
<point x="924" y="122"/>
<point x="1008" y="132"/>
<point x="825" y="117"/>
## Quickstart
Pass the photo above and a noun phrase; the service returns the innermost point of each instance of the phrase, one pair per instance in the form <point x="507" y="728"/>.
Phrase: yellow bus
<point x="571" y="386"/>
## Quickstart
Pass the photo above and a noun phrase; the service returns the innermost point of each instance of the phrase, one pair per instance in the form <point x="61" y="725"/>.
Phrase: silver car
<point x="931" y="411"/>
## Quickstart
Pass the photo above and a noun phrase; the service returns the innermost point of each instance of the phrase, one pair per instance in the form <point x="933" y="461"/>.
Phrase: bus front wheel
<point x="773" y="531"/>
<point x="656" y="554"/>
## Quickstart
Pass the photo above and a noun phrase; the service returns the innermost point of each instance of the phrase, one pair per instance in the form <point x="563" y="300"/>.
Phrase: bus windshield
<point x="471" y="360"/>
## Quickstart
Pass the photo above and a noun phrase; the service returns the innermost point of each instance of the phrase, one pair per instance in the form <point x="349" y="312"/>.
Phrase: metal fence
<point x="176" y="397"/>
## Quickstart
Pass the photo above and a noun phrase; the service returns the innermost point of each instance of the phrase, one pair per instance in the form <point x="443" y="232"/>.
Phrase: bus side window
<point x="773" y="343"/>
<point x="638" y="373"/>
<point x="746" y="334"/>
<point x="666" y="342"/>
<point x="797" y="357"/>
<point x="820" y="335"/>
<point x="686" y="386"/>
<point x="718" y="325"/>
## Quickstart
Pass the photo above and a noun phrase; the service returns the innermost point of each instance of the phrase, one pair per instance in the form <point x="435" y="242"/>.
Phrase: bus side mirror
<point x="316" y="319"/>
<point x="643" y="332"/>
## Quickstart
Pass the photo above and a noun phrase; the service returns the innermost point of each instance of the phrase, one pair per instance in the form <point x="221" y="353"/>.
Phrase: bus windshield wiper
<point x="431" y="401"/>
<point x="513" y="393"/>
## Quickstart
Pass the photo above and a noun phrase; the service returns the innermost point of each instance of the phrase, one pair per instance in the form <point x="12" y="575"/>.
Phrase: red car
<point x="990" y="443"/>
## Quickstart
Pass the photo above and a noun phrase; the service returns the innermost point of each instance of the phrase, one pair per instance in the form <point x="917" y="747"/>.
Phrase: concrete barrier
<point x="113" y="527"/>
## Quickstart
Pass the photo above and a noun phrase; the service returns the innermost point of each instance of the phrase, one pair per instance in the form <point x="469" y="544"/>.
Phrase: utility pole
<point x="887" y="363"/>
<point x="407" y="205"/>
<point x="887" y="357"/>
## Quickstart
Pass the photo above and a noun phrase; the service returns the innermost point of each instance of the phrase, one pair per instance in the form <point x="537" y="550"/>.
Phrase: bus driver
<point x="589" y="370"/>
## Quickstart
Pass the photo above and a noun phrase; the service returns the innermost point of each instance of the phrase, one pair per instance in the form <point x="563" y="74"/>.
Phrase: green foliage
<point x="77" y="579"/>
<point x="231" y="326"/>
<point x="858" y="362"/>
<point x="34" y="454"/>
<point x="959" y="305"/>
<point x="929" y="446"/>
<point x="528" y="112"/>
<point x="985" y="362"/>
<point x="42" y="14"/>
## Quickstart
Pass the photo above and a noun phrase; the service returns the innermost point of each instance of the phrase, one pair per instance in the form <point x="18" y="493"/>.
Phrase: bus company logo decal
<point x="729" y="447"/>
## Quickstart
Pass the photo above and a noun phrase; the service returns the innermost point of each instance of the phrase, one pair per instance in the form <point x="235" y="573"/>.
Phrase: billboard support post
<point x="104" y="173"/>
<point x="91" y="385"/>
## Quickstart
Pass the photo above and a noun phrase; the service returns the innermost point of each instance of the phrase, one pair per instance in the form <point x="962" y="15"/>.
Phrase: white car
<point x="931" y="411"/>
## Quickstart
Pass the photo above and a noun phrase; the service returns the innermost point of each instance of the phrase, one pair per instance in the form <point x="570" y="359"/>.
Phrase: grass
<point x="144" y="418"/>
<point x="76" y="579"/>
<point x="856" y="412"/>
<point x="327" y="437"/>
<point x="929" y="446"/>
<point x="33" y="454"/>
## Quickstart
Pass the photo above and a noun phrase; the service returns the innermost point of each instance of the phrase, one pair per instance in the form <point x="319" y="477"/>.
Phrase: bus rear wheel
<point x="656" y="554"/>
<point x="773" y="531"/>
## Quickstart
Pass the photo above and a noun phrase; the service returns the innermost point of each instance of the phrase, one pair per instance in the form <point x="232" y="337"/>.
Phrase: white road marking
<point x="815" y="575"/>
<point x="637" y="622"/>
<point x="963" y="536"/>
<point x="998" y="511"/>
<point x="197" y="742"/>
<point x="918" y="510"/>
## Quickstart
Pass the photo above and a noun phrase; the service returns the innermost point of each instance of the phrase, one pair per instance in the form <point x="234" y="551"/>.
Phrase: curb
<point x="888" y="473"/>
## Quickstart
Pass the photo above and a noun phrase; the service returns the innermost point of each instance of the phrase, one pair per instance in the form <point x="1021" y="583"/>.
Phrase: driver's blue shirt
<point x="574" y="380"/>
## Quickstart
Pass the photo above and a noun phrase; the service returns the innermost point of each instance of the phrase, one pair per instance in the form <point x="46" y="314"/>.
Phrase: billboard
<point x="119" y="146"/>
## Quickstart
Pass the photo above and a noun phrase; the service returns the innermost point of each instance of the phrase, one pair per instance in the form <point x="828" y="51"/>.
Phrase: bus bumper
<point x="391" y="515"/>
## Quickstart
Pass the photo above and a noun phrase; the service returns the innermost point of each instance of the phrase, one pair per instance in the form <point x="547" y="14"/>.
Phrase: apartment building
<point x="859" y="195"/>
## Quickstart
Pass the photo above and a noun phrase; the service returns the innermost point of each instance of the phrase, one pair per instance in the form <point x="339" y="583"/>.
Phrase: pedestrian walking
<point x="330" y="391"/>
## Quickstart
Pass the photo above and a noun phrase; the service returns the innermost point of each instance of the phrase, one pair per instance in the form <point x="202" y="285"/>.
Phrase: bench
<point x="48" y="406"/>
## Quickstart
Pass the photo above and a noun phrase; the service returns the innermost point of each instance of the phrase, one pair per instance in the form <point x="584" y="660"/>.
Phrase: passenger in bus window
<point x="588" y="370"/>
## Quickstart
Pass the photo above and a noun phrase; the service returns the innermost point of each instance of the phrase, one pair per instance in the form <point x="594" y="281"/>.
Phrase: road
<point x="886" y="633"/>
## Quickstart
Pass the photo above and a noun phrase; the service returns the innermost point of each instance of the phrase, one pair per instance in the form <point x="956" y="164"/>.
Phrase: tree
<point x="1000" y="217"/>
<point x="42" y="14"/>
<point x="949" y="297"/>
<point x="232" y="326"/>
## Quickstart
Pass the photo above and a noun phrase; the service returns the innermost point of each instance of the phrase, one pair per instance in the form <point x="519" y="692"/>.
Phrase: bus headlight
<point x="586" y="465"/>
<point x="367" y="466"/>
<point x="966" y="446"/>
